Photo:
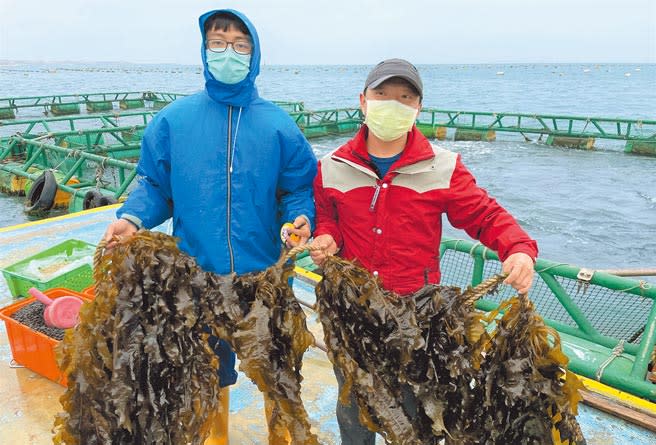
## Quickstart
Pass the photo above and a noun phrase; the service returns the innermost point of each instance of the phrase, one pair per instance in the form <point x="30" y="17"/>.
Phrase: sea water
<point x="589" y="208"/>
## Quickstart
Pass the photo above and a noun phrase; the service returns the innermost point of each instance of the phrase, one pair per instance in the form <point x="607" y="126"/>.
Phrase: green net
<point x="613" y="313"/>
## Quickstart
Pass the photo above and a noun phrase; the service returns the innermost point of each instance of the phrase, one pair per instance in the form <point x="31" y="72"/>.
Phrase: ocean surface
<point x="594" y="209"/>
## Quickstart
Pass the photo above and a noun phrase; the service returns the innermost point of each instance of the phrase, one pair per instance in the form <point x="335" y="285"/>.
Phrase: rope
<point x="100" y="251"/>
<point x="471" y="251"/>
<point x="455" y="245"/>
<point x="642" y="285"/>
<point x="43" y="136"/>
<point x="75" y="193"/>
<point x="483" y="288"/>
<point x="72" y="153"/>
<point x="551" y="267"/>
<point x="587" y="121"/>
<point x="617" y="351"/>
<point x="100" y="171"/>
<point x="97" y="257"/>
<point x="494" y="116"/>
<point x="299" y="249"/>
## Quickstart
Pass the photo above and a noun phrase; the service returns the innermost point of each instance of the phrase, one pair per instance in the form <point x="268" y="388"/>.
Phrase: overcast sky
<point x="337" y="31"/>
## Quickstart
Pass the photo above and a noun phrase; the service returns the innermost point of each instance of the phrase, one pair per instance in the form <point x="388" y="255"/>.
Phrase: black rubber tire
<point x="42" y="194"/>
<point x="105" y="200"/>
<point x="91" y="199"/>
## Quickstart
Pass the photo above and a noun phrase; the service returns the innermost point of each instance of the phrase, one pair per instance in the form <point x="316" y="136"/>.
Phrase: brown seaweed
<point x="138" y="364"/>
<point x="266" y="327"/>
<point x="369" y="336"/>
<point x="530" y="396"/>
<point x="466" y="380"/>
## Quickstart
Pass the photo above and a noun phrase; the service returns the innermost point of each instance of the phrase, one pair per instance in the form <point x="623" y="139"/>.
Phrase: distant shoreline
<point x="7" y="62"/>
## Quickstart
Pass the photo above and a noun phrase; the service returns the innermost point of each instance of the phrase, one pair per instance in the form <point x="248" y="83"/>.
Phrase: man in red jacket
<point x="380" y="198"/>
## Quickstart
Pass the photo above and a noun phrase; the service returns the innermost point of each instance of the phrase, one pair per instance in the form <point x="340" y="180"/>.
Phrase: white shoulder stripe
<point x="431" y="174"/>
<point x="344" y="176"/>
<point x="428" y="175"/>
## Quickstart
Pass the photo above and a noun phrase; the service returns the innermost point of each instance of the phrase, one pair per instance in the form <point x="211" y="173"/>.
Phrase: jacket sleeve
<point x="297" y="170"/>
<point x="469" y="207"/>
<point x="150" y="203"/>
<point x="326" y="212"/>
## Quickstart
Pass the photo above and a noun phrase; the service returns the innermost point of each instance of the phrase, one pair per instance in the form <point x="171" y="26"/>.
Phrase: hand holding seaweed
<point x="506" y="384"/>
<point x="138" y="364"/>
<point x="139" y="369"/>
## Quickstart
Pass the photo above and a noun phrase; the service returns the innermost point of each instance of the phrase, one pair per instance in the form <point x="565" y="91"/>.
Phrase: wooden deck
<point x="29" y="402"/>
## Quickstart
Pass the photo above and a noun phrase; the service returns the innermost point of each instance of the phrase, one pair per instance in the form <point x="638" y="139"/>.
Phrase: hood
<point x="241" y="93"/>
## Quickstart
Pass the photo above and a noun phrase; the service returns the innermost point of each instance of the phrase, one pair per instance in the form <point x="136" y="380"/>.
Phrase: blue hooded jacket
<point x="230" y="168"/>
<point x="230" y="222"/>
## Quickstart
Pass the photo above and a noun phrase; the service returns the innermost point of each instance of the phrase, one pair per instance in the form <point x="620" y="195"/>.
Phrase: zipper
<point x="228" y="175"/>
<point x="372" y="206"/>
<point x="371" y="165"/>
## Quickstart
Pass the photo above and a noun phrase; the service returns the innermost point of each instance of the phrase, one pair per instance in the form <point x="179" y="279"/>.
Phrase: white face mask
<point x="389" y="119"/>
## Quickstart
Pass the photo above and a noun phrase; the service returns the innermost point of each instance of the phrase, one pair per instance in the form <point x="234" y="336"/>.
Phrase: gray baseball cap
<point x="394" y="68"/>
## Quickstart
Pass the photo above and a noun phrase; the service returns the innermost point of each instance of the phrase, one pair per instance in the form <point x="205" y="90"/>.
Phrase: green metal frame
<point x="39" y="154"/>
<point x="542" y="124"/>
<point x="92" y="140"/>
<point x="290" y="107"/>
<point x="39" y="126"/>
<point x="627" y="374"/>
<point x="158" y="98"/>
<point x="328" y="122"/>
<point x="46" y="102"/>
<point x="345" y="120"/>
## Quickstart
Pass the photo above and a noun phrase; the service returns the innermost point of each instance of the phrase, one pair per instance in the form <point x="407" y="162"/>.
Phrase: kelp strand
<point x="138" y="364"/>
<point x="507" y="384"/>
<point x="130" y="360"/>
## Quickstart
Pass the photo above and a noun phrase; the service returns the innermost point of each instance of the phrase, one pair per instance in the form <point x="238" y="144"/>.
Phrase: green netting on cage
<point x="612" y="313"/>
<point x="456" y="268"/>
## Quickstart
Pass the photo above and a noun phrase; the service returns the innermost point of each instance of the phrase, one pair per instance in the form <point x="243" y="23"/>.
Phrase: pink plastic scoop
<point x="62" y="312"/>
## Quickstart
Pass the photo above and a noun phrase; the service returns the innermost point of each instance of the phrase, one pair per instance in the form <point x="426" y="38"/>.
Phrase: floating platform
<point x="31" y="401"/>
<point x="71" y="104"/>
<point x="564" y="130"/>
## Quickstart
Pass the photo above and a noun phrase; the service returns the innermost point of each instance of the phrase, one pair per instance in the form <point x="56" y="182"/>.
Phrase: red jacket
<point x="393" y="226"/>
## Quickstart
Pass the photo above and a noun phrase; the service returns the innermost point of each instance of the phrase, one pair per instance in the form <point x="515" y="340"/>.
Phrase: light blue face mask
<point x="228" y="66"/>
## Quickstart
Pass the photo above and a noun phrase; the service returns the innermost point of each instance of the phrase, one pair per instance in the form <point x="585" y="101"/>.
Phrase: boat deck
<point x="31" y="401"/>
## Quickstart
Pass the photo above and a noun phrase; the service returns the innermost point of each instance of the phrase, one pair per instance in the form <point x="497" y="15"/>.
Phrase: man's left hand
<point x="519" y="267"/>
<point x="302" y="229"/>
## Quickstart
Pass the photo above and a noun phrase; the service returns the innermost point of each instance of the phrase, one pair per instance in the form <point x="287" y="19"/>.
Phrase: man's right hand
<point x="121" y="228"/>
<point x="327" y="245"/>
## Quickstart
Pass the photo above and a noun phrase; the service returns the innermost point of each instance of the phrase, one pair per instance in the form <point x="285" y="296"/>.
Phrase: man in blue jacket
<point x="226" y="165"/>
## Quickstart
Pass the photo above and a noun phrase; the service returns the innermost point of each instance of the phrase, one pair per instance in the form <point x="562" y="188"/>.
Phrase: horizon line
<point x="7" y="61"/>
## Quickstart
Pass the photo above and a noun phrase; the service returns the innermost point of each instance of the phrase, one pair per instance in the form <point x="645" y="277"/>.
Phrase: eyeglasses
<point x="219" y="46"/>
